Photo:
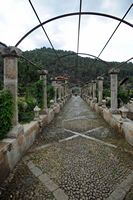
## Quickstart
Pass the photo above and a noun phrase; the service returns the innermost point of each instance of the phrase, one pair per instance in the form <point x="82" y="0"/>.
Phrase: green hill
<point x="45" y="58"/>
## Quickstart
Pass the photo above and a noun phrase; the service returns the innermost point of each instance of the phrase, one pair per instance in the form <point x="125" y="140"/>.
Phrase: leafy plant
<point x="34" y="92"/>
<point x="6" y="112"/>
<point x="50" y="93"/>
<point x="25" y="107"/>
<point x="123" y="95"/>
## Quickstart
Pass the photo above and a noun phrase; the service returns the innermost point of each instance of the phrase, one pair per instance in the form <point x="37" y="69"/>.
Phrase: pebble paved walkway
<point x="77" y="157"/>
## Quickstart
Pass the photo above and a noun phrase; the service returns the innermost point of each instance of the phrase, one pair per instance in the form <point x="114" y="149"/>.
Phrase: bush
<point x="35" y="90"/>
<point x="50" y="93"/>
<point x="106" y="92"/>
<point x="33" y="96"/>
<point x="123" y="95"/>
<point x="31" y="103"/>
<point x="25" y="107"/>
<point x="6" y="112"/>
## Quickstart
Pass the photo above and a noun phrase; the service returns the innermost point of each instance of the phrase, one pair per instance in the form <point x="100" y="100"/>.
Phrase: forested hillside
<point x="67" y="65"/>
<point x="45" y="58"/>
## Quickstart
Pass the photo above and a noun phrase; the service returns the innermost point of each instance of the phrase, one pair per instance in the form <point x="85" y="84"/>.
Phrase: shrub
<point x="123" y="95"/>
<point x="35" y="90"/>
<point x="25" y="107"/>
<point x="50" y="93"/>
<point x="6" y="112"/>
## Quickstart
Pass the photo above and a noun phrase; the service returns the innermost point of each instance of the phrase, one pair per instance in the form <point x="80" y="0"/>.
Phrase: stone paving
<point x="23" y="185"/>
<point x="129" y="195"/>
<point x="65" y="165"/>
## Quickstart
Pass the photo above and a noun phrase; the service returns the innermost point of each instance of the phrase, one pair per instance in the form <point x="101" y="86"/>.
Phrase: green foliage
<point x="50" y="93"/>
<point x="130" y="93"/>
<point x="123" y="95"/>
<point x="33" y="97"/>
<point x="1" y="85"/>
<point x="25" y="107"/>
<point x="34" y="92"/>
<point x="84" y="72"/>
<point x="6" y="112"/>
<point x="106" y="92"/>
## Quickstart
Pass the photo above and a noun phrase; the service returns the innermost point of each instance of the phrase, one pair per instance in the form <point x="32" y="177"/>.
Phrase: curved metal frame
<point x="74" y="54"/>
<point x="73" y="14"/>
<point x="4" y="45"/>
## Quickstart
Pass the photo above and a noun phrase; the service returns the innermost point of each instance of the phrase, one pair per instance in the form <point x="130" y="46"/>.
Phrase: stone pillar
<point x="43" y="76"/>
<point x="54" y="84"/>
<point x="114" y="87"/>
<point x="55" y="94"/>
<point x="90" y="89"/>
<point x="62" y="92"/>
<point x="59" y="91"/>
<point x="94" y="89"/>
<point x="100" y="89"/>
<point x="10" y="55"/>
<point x="65" y="88"/>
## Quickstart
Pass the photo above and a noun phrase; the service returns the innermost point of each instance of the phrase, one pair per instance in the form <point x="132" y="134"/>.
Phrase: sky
<point x="17" y="18"/>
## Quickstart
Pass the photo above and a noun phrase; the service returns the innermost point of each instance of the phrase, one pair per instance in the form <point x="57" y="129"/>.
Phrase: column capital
<point x="100" y="78"/>
<point x="42" y="72"/>
<point x="10" y="51"/>
<point x="114" y="71"/>
<point x="93" y="81"/>
<point x="54" y="84"/>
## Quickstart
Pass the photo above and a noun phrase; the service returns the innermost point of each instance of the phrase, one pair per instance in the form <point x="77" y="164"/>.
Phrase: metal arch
<point x="72" y="14"/>
<point x="4" y="45"/>
<point x="105" y="62"/>
<point x="74" y="54"/>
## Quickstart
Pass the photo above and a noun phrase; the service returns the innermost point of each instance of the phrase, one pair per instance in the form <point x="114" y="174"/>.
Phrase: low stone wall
<point x="14" y="147"/>
<point x="128" y="130"/>
<point x="122" y="126"/>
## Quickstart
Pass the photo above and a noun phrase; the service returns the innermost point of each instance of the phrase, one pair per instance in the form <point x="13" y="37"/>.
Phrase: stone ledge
<point x="20" y="139"/>
<point x="128" y="130"/>
<point x="60" y="195"/>
<point x="122" y="126"/>
<point x="36" y="171"/>
<point x="122" y="189"/>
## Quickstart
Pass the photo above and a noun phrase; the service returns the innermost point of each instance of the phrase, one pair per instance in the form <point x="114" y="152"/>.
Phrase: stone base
<point x="45" y="111"/>
<point x="16" y="131"/>
<point x="36" y="118"/>
<point x="124" y="119"/>
<point x="114" y="111"/>
<point x="100" y="104"/>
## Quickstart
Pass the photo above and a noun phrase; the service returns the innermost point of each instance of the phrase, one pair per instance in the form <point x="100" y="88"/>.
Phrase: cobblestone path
<point x="77" y="157"/>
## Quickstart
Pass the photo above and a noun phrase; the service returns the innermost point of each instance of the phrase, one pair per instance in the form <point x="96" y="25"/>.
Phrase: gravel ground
<point x="82" y="168"/>
<point x="129" y="195"/>
<point x="22" y="185"/>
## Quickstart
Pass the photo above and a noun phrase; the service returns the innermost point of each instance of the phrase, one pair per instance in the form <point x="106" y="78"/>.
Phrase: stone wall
<point x="12" y="149"/>
<point x="122" y="126"/>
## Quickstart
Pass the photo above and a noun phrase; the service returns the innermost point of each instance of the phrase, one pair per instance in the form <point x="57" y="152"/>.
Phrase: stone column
<point x="59" y="91"/>
<point x="65" y="88"/>
<point x="55" y="95"/>
<point x="90" y="89"/>
<point x="94" y="89"/>
<point x="62" y="92"/>
<point x="100" y="89"/>
<point x="43" y="76"/>
<point x="10" y="55"/>
<point x="55" y="90"/>
<point x="114" y="87"/>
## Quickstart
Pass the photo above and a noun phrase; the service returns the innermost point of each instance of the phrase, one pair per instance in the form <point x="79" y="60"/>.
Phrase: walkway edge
<point x="122" y="189"/>
<point x="45" y="180"/>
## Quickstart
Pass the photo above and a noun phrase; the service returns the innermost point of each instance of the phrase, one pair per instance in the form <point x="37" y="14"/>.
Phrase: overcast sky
<point x="17" y="18"/>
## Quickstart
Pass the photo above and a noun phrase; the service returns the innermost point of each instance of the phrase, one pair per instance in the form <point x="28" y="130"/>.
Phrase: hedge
<point x="6" y="112"/>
